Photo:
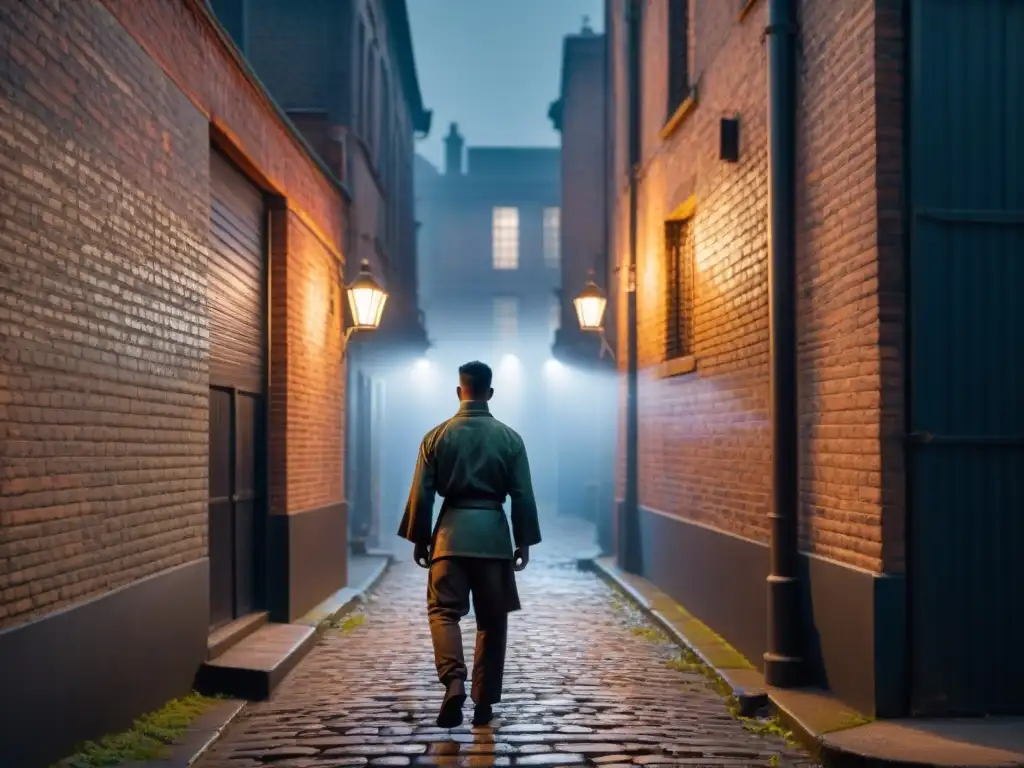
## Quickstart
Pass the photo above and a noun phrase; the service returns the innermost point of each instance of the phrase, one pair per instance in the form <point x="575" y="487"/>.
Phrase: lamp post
<point x="590" y="304"/>
<point x="366" y="300"/>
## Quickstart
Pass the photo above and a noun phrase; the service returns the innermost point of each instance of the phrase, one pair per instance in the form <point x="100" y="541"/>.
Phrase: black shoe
<point x="483" y="714"/>
<point x="450" y="715"/>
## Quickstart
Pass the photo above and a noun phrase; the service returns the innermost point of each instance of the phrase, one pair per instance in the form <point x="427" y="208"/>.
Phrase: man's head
<point x="475" y="381"/>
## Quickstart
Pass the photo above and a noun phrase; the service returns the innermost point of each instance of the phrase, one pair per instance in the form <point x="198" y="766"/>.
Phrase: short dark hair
<point x="475" y="378"/>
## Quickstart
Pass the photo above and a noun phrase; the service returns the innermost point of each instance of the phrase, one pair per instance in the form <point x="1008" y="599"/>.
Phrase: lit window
<point x="552" y="235"/>
<point x="679" y="288"/>
<point x="505" y="238"/>
<point x="506" y="318"/>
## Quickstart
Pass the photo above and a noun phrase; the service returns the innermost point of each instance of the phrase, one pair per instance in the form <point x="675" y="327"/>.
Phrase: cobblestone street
<point x="588" y="682"/>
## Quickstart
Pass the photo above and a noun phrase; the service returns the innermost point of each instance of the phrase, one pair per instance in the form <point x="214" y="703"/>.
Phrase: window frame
<point x="552" y="239"/>
<point x="679" y="259"/>
<point x="678" y="56"/>
<point x="505" y="239"/>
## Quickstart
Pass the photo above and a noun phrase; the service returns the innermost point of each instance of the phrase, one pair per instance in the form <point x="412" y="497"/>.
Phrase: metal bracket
<point x="606" y="348"/>
<point x="344" y="341"/>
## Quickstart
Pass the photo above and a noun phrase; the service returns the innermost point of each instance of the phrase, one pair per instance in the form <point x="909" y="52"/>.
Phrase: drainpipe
<point x="629" y="522"/>
<point x="783" y="661"/>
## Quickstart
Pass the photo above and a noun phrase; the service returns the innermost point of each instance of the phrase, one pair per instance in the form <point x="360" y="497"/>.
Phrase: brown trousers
<point x="491" y="583"/>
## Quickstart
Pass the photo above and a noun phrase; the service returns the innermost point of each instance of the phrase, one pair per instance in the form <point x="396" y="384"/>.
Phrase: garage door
<point x="236" y="295"/>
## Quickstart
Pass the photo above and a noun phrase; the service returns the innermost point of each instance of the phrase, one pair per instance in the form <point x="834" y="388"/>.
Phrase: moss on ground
<point x="690" y="662"/>
<point x="149" y="739"/>
<point x="847" y="721"/>
<point x="650" y="633"/>
<point x="350" y="622"/>
<point x="356" y="620"/>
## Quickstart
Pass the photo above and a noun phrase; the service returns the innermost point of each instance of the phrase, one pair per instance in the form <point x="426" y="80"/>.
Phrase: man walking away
<point x="473" y="461"/>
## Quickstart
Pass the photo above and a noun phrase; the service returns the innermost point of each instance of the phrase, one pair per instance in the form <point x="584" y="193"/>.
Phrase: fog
<point x="565" y="414"/>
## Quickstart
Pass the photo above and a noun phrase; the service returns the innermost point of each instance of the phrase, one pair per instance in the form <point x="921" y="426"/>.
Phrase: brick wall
<point x="104" y="154"/>
<point x="838" y="283"/>
<point x="178" y="37"/>
<point x="103" y="378"/>
<point x="307" y="375"/>
<point x="704" y="436"/>
<point x="889" y="173"/>
<point x="181" y="38"/>
<point x="704" y="451"/>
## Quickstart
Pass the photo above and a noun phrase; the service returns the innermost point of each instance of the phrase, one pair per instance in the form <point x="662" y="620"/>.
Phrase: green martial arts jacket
<point x="473" y="461"/>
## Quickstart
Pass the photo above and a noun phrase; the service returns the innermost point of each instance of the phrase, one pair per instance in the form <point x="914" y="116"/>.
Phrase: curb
<point x="793" y="709"/>
<point x="198" y="741"/>
<point x="748" y="698"/>
<point x="200" y="736"/>
<point x="345" y="600"/>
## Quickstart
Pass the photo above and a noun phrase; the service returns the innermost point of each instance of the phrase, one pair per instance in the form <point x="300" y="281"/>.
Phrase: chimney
<point x="587" y="30"/>
<point x="453" y="144"/>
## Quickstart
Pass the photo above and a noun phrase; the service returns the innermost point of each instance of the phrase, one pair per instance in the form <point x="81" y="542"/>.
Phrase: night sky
<point x="492" y="71"/>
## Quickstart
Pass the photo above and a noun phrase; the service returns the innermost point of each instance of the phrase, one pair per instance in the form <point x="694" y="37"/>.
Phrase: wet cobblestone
<point x="588" y="682"/>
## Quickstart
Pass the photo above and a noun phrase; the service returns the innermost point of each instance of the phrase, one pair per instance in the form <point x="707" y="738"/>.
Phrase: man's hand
<point x="421" y="554"/>
<point x="521" y="558"/>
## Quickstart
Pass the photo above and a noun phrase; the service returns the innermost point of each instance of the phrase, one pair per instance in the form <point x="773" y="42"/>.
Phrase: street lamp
<point x="590" y="305"/>
<point x="366" y="299"/>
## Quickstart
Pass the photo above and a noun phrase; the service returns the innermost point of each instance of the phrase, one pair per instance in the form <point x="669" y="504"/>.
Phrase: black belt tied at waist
<point x="475" y="501"/>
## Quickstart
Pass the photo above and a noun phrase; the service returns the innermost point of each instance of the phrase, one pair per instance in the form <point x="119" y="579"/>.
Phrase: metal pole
<point x="783" y="662"/>
<point x="629" y="524"/>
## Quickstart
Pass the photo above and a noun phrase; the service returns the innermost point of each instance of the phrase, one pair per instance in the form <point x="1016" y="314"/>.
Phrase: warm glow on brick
<point x="317" y="308"/>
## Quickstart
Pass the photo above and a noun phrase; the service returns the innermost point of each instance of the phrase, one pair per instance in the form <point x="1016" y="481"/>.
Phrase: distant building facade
<point x="490" y="269"/>
<point x="579" y="116"/>
<point x="345" y="73"/>
<point x="586" y="486"/>
<point x="908" y="499"/>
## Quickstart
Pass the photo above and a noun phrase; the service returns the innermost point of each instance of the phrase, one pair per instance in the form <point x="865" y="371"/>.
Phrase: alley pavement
<point x="588" y="682"/>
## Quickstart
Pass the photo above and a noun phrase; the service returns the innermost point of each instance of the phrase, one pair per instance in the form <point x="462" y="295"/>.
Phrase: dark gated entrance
<point x="238" y="341"/>
<point x="966" y="448"/>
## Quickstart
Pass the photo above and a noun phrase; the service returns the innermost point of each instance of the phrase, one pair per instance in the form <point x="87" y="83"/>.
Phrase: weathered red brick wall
<point x="177" y="35"/>
<point x="704" y="451"/>
<point x="307" y="374"/>
<point x="103" y="378"/>
<point x="704" y="436"/>
<point x="843" y="349"/>
<point x="890" y="51"/>
<point x="104" y="155"/>
<point x="306" y="406"/>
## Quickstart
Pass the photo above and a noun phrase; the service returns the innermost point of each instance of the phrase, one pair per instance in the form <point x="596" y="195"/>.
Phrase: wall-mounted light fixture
<point x="590" y="305"/>
<point x="366" y="300"/>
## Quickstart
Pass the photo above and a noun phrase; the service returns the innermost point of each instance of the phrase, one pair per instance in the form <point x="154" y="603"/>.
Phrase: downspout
<point x="783" y="661"/>
<point x="629" y="522"/>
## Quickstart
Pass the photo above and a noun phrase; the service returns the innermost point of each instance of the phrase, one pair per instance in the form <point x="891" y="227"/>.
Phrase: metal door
<point x="966" y="396"/>
<point x="236" y="293"/>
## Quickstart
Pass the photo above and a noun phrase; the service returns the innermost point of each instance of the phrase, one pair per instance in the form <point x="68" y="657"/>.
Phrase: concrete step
<point x="254" y="667"/>
<point x="231" y="634"/>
